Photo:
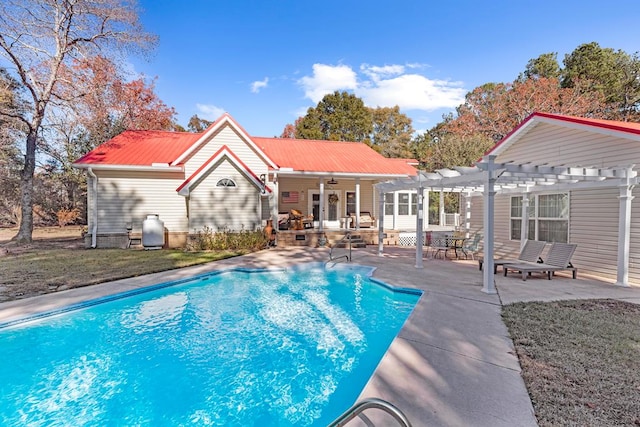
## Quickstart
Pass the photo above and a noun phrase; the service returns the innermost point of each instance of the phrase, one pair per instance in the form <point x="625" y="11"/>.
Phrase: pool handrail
<point x="346" y="237"/>
<point x="371" y="403"/>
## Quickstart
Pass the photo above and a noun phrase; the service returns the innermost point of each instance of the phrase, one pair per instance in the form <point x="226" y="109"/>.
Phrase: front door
<point x="332" y="204"/>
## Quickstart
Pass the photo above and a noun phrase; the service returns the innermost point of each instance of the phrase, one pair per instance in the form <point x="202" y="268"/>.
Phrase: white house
<point x="223" y="178"/>
<point x="554" y="178"/>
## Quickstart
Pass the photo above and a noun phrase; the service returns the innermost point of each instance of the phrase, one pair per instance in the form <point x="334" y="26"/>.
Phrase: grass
<point x="41" y="271"/>
<point x="580" y="360"/>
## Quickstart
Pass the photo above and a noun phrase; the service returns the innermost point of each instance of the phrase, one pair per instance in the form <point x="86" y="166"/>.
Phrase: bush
<point x="209" y="240"/>
<point x="67" y="216"/>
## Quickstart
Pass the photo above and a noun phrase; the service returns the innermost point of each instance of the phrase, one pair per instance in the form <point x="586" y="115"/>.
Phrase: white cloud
<point x="385" y="86"/>
<point x="327" y="79"/>
<point x="413" y="92"/>
<point x="376" y="72"/>
<point x="259" y="84"/>
<point x="209" y="111"/>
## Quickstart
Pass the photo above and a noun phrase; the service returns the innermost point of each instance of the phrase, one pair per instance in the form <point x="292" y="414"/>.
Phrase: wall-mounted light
<point x="332" y="181"/>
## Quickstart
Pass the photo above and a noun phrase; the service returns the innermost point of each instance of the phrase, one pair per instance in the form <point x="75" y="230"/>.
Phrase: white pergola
<point x="488" y="178"/>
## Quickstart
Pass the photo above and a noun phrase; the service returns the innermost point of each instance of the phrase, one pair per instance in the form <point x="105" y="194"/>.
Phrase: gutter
<point x="94" y="210"/>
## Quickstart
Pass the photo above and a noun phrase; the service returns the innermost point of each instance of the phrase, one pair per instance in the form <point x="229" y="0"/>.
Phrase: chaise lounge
<point x="558" y="259"/>
<point x="530" y="253"/>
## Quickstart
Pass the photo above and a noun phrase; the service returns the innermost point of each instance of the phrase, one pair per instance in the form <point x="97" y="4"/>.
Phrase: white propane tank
<point x="152" y="232"/>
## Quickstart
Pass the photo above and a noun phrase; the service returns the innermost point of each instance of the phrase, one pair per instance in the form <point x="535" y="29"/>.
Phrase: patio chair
<point x="471" y="247"/>
<point x="558" y="259"/>
<point x="530" y="253"/>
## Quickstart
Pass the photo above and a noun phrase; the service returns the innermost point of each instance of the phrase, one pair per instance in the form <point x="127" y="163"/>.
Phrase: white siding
<point x="226" y="136"/>
<point x="594" y="228"/>
<point x="219" y="208"/>
<point x="557" y="145"/>
<point x="593" y="224"/>
<point x="128" y="197"/>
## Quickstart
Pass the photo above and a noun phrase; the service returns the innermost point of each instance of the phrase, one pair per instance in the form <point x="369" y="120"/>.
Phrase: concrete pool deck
<point x="453" y="363"/>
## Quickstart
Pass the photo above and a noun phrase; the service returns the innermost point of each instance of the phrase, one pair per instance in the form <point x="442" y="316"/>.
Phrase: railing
<point x="346" y="237"/>
<point x="371" y="403"/>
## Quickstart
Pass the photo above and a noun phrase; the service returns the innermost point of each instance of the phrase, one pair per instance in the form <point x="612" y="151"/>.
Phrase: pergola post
<point x="380" y="222"/>
<point x="624" y="232"/>
<point x="488" y="283"/>
<point x="443" y="220"/>
<point x="467" y="213"/>
<point x="419" y="230"/>
<point x="524" y="229"/>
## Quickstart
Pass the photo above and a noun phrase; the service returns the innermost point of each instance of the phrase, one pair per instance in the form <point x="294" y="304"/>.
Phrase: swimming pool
<point x="244" y="347"/>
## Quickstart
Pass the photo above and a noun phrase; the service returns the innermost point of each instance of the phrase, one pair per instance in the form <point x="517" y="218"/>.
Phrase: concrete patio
<point x="453" y="363"/>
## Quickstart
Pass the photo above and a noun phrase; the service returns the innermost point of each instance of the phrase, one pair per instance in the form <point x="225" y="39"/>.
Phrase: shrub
<point x="209" y="240"/>
<point x="67" y="216"/>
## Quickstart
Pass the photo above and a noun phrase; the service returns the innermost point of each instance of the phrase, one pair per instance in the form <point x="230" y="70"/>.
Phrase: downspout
<point x="94" y="208"/>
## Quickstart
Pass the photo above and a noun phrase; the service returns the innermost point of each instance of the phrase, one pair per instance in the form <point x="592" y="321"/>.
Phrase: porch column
<point x="488" y="283"/>
<point x="273" y="199"/>
<point x="419" y="230"/>
<point x="380" y="221"/>
<point x="321" y="206"/>
<point x="357" y="224"/>
<point x="624" y="231"/>
<point x="441" y="208"/>
<point x="524" y="228"/>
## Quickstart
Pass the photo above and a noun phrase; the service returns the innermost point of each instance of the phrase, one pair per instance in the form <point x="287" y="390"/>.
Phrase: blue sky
<point x="266" y="62"/>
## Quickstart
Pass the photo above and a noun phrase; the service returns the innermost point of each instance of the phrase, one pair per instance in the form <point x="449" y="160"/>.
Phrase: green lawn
<point x="42" y="271"/>
<point x="580" y="360"/>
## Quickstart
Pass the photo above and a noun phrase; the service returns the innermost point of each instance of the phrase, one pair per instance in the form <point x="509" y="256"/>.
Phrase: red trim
<point x="214" y="157"/>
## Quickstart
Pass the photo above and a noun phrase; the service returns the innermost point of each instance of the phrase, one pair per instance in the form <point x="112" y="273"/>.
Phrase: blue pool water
<point x="241" y="348"/>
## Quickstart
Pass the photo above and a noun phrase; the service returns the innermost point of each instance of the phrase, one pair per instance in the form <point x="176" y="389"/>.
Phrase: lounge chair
<point x="558" y="259"/>
<point x="529" y="253"/>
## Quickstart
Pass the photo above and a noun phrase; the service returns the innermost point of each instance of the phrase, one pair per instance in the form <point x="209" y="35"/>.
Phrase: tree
<point x="339" y="116"/>
<point x="613" y="74"/>
<point x="544" y="66"/>
<point x="196" y="124"/>
<point x="494" y="109"/>
<point x="11" y="108"/>
<point x="289" y="130"/>
<point x="392" y="132"/>
<point x="38" y="37"/>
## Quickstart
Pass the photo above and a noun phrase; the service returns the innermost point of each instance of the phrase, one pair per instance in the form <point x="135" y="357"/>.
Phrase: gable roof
<point x="147" y="150"/>
<point x="224" y="153"/>
<point x="308" y="155"/>
<point x="608" y="127"/>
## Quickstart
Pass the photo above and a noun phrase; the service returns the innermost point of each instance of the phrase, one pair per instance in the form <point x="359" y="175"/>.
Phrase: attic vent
<point x="226" y="182"/>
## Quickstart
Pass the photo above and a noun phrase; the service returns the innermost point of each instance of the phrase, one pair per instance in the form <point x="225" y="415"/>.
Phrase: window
<point x="226" y="182"/>
<point x="414" y="204"/>
<point x="351" y="202"/>
<point x="388" y="203"/>
<point x="403" y="203"/>
<point x="548" y="217"/>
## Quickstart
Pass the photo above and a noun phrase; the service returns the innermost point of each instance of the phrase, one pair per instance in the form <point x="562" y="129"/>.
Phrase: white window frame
<point x="534" y="216"/>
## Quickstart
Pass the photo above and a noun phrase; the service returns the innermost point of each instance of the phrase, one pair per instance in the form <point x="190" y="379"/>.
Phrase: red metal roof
<point x="140" y="148"/>
<point x="306" y="155"/>
<point x="143" y="148"/>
